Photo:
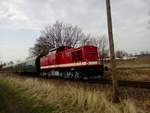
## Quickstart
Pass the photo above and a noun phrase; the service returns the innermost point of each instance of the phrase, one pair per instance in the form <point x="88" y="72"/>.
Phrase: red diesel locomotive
<point x="70" y="62"/>
<point x="66" y="62"/>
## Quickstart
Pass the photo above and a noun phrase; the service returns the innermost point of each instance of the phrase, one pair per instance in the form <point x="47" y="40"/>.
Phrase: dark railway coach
<point x="70" y="62"/>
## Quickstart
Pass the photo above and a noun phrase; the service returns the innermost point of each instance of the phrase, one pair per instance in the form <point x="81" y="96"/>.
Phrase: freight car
<point x="66" y="62"/>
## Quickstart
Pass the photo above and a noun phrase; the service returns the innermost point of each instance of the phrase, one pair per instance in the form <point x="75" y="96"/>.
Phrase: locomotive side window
<point x="77" y="56"/>
<point x="92" y="53"/>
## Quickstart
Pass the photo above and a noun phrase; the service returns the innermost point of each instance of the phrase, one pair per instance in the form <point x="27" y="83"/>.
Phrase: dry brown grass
<point x="138" y="69"/>
<point x="134" y="62"/>
<point x="134" y="74"/>
<point x="131" y="74"/>
<point x="69" y="99"/>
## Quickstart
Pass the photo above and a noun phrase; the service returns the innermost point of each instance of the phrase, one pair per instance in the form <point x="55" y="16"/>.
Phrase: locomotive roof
<point x="60" y="48"/>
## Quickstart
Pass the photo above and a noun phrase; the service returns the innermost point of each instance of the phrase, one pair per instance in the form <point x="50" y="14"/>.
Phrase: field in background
<point x="35" y="95"/>
<point x="139" y="62"/>
<point x="131" y="63"/>
<point x="133" y="69"/>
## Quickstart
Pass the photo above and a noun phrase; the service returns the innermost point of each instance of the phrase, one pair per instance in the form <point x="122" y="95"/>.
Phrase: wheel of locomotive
<point x="79" y="75"/>
<point x="42" y="74"/>
<point x="82" y="74"/>
<point x="76" y="75"/>
<point x="46" y="75"/>
<point x="49" y="74"/>
<point x="60" y="74"/>
<point x="71" y="75"/>
<point x="64" y="74"/>
<point x="67" y="74"/>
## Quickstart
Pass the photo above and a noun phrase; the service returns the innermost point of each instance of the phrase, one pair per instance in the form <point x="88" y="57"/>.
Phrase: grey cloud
<point x="130" y="17"/>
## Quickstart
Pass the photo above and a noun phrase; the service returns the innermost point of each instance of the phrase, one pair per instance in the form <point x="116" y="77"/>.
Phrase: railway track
<point x="125" y="83"/>
<point x="121" y="83"/>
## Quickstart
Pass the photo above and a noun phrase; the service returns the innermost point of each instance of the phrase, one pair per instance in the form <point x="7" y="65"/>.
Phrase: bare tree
<point x="58" y="35"/>
<point x="103" y="47"/>
<point x="120" y="54"/>
<point x="144" y="53"/>
<point x="42" y="46"/>
<point x="101" y="43"/>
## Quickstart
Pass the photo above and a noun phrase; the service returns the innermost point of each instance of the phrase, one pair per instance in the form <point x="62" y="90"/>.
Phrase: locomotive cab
<point x="91" y="53"/>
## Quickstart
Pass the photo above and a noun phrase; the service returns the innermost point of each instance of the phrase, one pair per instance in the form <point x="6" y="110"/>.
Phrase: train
<point x="65" y="62"/>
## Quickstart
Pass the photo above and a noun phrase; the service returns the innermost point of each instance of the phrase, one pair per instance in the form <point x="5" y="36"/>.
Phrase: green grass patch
<point x="13" y="99"/>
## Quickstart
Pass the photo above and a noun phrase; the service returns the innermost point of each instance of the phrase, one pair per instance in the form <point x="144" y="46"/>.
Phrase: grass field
<point x="137" y="69"/>
<point x="131" y="63"/>
<point x="140" y="61"/>
<point x="139" y="74"/>
<point x="34" y="95"/>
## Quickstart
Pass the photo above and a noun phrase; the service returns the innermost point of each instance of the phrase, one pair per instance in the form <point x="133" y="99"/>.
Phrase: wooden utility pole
<point x="112" y="52"/>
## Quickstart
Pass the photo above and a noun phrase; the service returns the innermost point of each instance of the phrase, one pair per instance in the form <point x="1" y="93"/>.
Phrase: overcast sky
<point x="22" y="20"/>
